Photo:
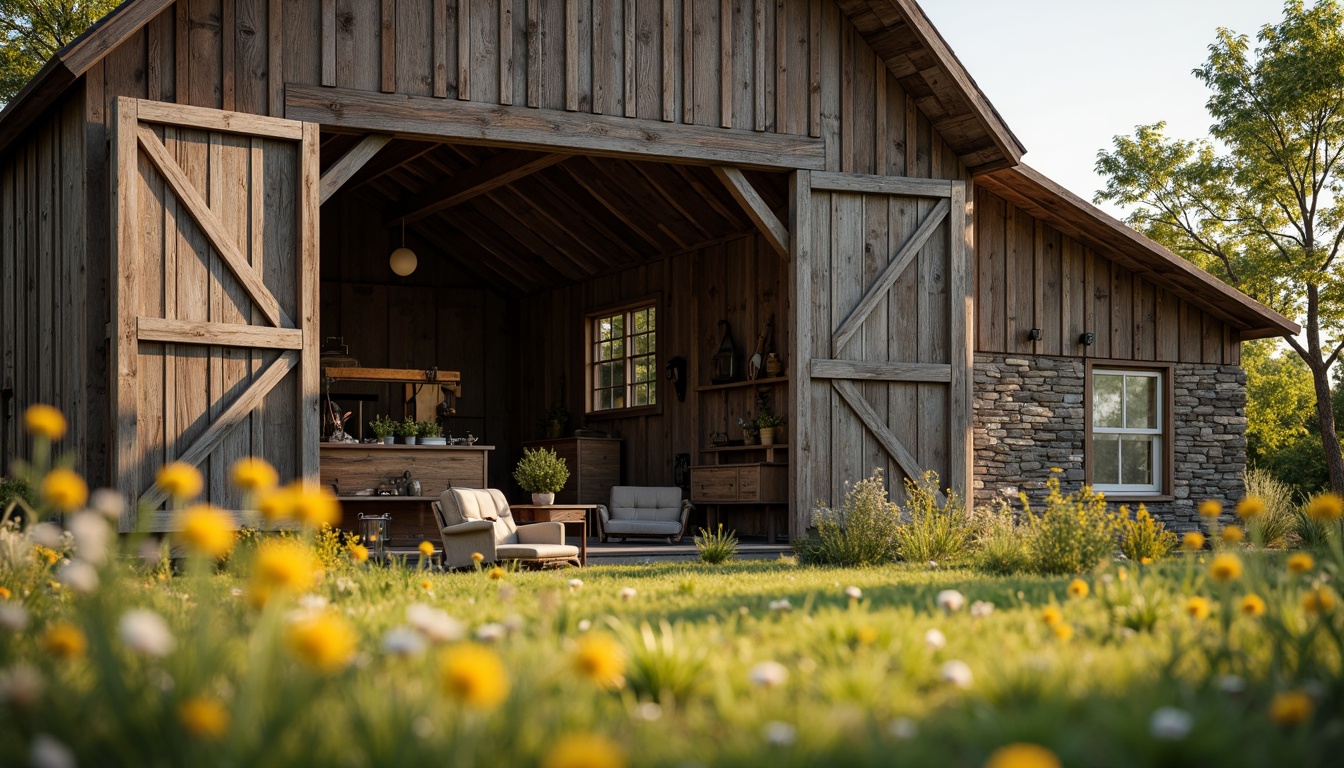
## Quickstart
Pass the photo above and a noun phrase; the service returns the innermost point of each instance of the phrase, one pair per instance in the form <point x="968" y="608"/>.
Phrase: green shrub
<point x="1074" y="533"/>
<point x="717" y="547"/>
<point x="1271" y="529"/>
<point x="11" y="490"/>
<point x="862" y="532"/>
<point x="1142" y="538"/>
<point x="1311" y="533"/>
<point x="541" y="471"/>
<point x="1002" y="547"/>
<point x="928" y="531"/>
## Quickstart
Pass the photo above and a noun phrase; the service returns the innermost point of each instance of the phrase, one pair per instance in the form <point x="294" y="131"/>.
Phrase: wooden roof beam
<point x="344" y="169"/>
<point x="500" y="170"/>
<point x="751" y="201"/>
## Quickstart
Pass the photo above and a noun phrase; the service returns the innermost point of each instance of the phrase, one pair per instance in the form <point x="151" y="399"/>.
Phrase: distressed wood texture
<point x="1030" y="275"/>
<point x="214" y="339"/>
<point x="887" y="369"/>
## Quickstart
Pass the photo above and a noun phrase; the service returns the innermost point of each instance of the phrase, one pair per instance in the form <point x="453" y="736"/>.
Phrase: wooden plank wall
<point x="435" y="317"/>
<point x="1029" y="275"/>
<point x="742" y="281"/>
<point x="45" y="325"/>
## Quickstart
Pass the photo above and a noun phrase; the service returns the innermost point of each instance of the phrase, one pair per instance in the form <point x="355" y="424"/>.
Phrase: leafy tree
<point x="1263" y="209"/>
<point x="32" y="31"/>
<point x="1279" y="399"/>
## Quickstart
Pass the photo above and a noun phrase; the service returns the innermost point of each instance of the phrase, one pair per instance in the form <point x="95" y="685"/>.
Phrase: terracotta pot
<point x="543" y="499"/>
<point x="767" y="435"/>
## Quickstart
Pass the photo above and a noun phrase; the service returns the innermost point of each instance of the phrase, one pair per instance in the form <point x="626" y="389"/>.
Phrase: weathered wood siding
<point x="46" y="325"/>
<point x="1029" y="275"/>
<point x="741" y="280"/>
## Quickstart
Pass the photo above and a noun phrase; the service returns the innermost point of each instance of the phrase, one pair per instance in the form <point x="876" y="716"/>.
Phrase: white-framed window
<point x="1127" y="431"/>
<point x="623" y="367"/>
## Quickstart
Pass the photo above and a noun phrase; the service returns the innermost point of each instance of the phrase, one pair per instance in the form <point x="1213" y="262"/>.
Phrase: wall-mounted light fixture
<point x="1087" y="339"/>
<point x="1034" y="334"/>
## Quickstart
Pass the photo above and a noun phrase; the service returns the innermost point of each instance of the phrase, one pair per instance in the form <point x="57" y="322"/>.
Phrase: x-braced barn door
<point x="215" y="332"/>
<point x="884" y="311"/>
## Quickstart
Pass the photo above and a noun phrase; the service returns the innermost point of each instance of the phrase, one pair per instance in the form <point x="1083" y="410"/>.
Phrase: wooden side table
<point x="568" y="514"/>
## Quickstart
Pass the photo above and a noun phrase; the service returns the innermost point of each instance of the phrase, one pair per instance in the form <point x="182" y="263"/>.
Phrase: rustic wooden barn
<point x="195" y="193"/>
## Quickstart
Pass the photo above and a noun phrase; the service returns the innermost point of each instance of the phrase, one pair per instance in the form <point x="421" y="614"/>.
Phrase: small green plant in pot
<point x="431" y="433"/>
<point x="383" y="429"/>
<point x="541" y="473"/>
<point x="768" y="423"/>
<point x="408" y="431"/>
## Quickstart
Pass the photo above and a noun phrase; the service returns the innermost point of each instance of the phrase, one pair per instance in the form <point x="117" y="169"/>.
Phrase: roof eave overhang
<point x="1043" y="198"/>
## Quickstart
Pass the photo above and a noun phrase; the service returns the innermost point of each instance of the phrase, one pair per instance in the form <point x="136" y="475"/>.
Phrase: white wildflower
<point x="627" y="593"/>
<point x="47" y="752"/>
<point x="236" y="591"/>
<point x="781" y="605"/>
<point x="980" y="609"/>
<point x="1170" y="724"/>
<point x="434" y="624"/>
<point x="769" y="674"/>
<point x="21" y="685"/>
<point x="575" y="585"/>
<point x="311" y="602"/>
<point x="79" y="576"/>
<point x="91" y="535"/>
<point x="151" y="552"/>
<point x="145" y="632"/>
<point x="108" y="503"/>
<point x="957" y="673"/>
<point x="648" y="711"/>
<point x="933" y="563"/>
<point x="1231" y="684"/>
<point x="403" y="641"/>
<point x="903" y="728"/>
<point x="514" y="623"/>
<point x="853" y="593"/>
<point x="951" y="600"/>
<point x="48" y="535"/>
<point x="13" y="617"/>
<point x="491" y="633"/>
<point x="585" y="625"/>
<point x="935" y="639"/>
<point x="779" y="734"/>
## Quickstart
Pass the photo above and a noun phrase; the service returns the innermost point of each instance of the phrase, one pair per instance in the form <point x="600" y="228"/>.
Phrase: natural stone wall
<point x="1029" y="418"/>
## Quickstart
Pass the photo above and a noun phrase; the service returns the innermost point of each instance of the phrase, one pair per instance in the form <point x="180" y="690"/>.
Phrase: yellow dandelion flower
<point x="180" y="480"/>
<point x="1225" y="568"/>
<point x="254" y="475"/>
<point x="1198" y="607"/>
<point x="1078" y="589"/>
<point x="1250" y="507"/>
<point x="584" y="750"/>
<point x="424" y="583"/>
<point x="64" y="489"/>
<point x="1143" y="561"/>
<point x="1210" y="508"/>
<point x="5" y="593"/>
<point x="325" y="642"/>
<point x="1063" y="632"/>
<point x="206" y="529"/>
<point x="1022" y="755"/>
<point x="359" y="553"/>
<point x="1290" y="707"/>
<point x="277" y="504"/>
<point x="284" y="564"/>
<point x="426" y="549"/>
<point x="476" y="675"/>
<point x="496" y="573"/>
<point x="1252" y="605"/>
<point x="601" y="659"/>
<point x="65" y="641"/>
<point x="1318" y="601"/>
<point x="866" y="635"/>
<point x="1192" y="541"/>
<point x="1300" y="563"/>
<point x="44" y="420"/>
<point x="1052" y="615"/>
<point x="1233" y="534"/>
<point x="204" y="717"/>
<point x="1325" y="508"/>
<point x="477" y="557"/>
<point x="46" y="553"/>
<point x="315" y="506"/>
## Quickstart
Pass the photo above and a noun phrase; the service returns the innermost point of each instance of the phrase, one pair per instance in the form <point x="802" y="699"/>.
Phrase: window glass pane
<point x="653" y="341"/>
<point x="1136" y="460"/>
<point x="641" y="322"/>
<point x="1107" y="392"/>
<point x="641" y="394"/>
<point x="641" y="345"/>
<point x="618" y="348"/>
<point x="1141" y="402"/>
<point x="603" y="399"/>
<point x="652" y="324"/>
<point x="1105" y="459"/>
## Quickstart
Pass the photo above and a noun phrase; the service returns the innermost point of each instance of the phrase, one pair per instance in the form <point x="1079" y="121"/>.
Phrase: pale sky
<point x="1068" y="75"/>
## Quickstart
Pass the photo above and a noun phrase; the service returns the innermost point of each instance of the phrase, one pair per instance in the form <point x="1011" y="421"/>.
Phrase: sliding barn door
<point x="216" y="292"/>
<point x="884" y="311"/>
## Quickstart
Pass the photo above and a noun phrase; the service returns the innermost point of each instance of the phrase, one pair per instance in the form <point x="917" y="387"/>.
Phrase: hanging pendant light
<point x="403" y="259"/>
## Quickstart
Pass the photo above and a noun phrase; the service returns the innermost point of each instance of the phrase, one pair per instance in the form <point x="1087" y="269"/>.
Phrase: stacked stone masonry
<point x="1029" y="418"/>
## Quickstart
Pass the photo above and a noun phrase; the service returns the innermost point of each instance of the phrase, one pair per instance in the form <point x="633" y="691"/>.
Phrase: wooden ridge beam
<point x="427" y="118"/>
<point x="345" y="169"/>
<point x="751" y="201"/>
<point x="499" y="171"/>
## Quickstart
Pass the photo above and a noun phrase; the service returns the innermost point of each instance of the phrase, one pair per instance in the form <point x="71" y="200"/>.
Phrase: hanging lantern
<point x="403" y="259"/>
<point x="725" y="359"/>
<point x="373" y="532"/>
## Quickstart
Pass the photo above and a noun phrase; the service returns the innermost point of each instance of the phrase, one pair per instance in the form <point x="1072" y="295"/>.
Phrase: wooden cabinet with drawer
<point x="740" y="484"/>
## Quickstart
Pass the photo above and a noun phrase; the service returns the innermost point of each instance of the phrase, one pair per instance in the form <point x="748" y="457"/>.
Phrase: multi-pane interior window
<point x="625" y="360"/>
<point x="1126" y="431"/>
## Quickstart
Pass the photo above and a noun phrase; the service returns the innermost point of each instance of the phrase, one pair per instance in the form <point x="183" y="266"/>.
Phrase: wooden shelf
<point x="401" y="447"/>
<point x="344" y="499"/>
<point x="758" y="447"/>
<point x="741" y="384"/>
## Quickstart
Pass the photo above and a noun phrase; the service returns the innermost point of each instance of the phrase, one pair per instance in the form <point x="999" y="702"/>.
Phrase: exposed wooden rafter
<point x="746" y="195"/>
<point x="344" y="169"/>
<point x="500" y="170"/>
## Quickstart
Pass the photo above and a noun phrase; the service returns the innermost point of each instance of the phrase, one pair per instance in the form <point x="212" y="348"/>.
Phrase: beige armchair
<point x="478" y="520"/>
<point x="644" y="512"/>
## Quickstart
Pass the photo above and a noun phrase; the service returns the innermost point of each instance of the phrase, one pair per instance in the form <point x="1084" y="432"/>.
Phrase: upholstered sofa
<point x="644" y="512"/>
<point x="478" y="520"/>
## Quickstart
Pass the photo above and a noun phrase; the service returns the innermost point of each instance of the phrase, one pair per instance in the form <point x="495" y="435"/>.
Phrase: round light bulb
<point x="403" y="261"/>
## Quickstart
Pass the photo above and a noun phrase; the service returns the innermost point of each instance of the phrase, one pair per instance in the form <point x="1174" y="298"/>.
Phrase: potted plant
<point x="431" y="433"/>
<point x="768" y="422"/>
<point x="541" y="473"/>
<point x="408" y="431"/>
<point x="383" y="429"/>
<point x="750" y="432"/>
